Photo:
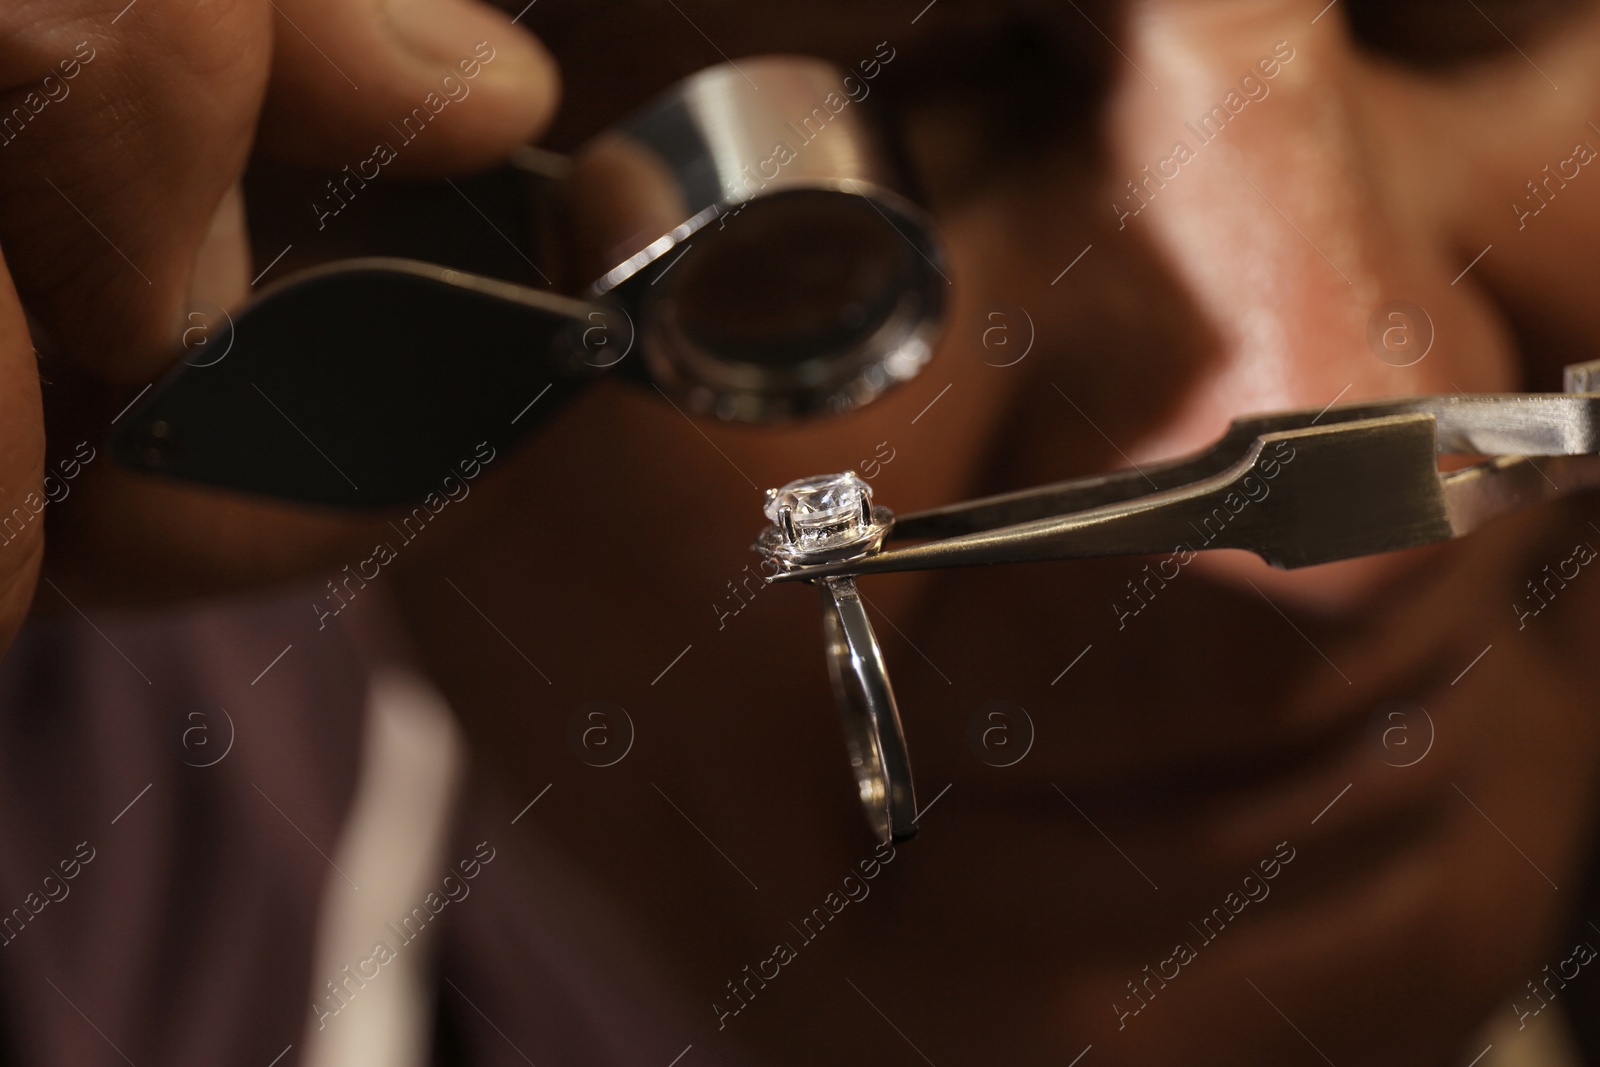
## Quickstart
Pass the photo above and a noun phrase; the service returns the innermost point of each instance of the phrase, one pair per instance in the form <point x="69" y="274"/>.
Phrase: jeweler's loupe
<point x="741" y="242"/>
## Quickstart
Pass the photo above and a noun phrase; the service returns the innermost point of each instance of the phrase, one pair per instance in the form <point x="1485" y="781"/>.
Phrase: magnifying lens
<point x="757" y="240"/>
<point x="742" y="242"/>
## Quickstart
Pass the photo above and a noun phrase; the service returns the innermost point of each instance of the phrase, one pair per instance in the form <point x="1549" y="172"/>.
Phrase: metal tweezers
<point x="1297" y="488"/>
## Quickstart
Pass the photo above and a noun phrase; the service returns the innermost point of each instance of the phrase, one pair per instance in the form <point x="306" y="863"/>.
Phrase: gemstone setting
<point x="823" y="518"/>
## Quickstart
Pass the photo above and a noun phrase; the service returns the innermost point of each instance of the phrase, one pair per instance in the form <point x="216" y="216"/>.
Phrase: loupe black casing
<point x="750" y="254"/>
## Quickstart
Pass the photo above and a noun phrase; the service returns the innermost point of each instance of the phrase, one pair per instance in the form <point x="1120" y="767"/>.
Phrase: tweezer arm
<point x="1477" y="494"/>
<point x="1295" y="497"/>
<point x="1539" y="424"/>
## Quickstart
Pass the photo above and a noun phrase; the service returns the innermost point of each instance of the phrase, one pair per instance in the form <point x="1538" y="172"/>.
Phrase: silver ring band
<point x="871" y="721"/>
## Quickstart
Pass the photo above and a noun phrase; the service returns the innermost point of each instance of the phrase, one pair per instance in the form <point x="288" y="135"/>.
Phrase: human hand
<point x="123" y="134"/>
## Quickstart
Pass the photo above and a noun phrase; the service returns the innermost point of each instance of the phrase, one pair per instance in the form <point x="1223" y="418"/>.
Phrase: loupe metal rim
<point x="878" y="195"/>
<point x="706" y="150"/>
<point x="834" y="381"/>
<point x="656" y="250"/>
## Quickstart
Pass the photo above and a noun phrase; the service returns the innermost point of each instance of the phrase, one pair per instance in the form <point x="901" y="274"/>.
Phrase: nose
<point x="1268" y="174"/>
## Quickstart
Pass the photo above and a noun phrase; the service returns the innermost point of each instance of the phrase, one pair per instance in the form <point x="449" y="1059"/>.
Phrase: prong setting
<point x="823" y="518"/>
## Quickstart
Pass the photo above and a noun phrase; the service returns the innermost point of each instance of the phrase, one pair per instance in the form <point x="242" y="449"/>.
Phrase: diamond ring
<point x="826" y="519"/>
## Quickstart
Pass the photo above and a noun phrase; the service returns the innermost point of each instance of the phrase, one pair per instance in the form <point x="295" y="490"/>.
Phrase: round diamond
<point x="823" y="513"/>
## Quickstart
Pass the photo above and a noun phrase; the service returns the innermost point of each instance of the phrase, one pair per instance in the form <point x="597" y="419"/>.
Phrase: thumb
<point x="351" y="74"/>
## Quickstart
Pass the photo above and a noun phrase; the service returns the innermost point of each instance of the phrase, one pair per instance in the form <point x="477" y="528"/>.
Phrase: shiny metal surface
<point x="748" y="220"/>
<point x="1347" y="481"/>
<point x="872" y="729"/>
<point x="827" y="518"/>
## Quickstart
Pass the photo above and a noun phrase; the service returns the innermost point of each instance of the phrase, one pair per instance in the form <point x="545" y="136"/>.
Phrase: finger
<point x="21" y="464"/>
<point x="116" y="218"/>
<point x="120" y="134"/>
<point x="443" y="85"/>
<point x="124" y="536"/>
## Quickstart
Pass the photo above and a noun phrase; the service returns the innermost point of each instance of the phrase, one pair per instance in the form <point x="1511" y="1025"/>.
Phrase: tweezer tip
<point x="820" y="570"/>
<point x="789" y="576"/>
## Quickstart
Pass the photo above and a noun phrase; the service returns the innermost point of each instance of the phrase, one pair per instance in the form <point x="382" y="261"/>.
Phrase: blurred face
<point x="1260" y="809"/>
